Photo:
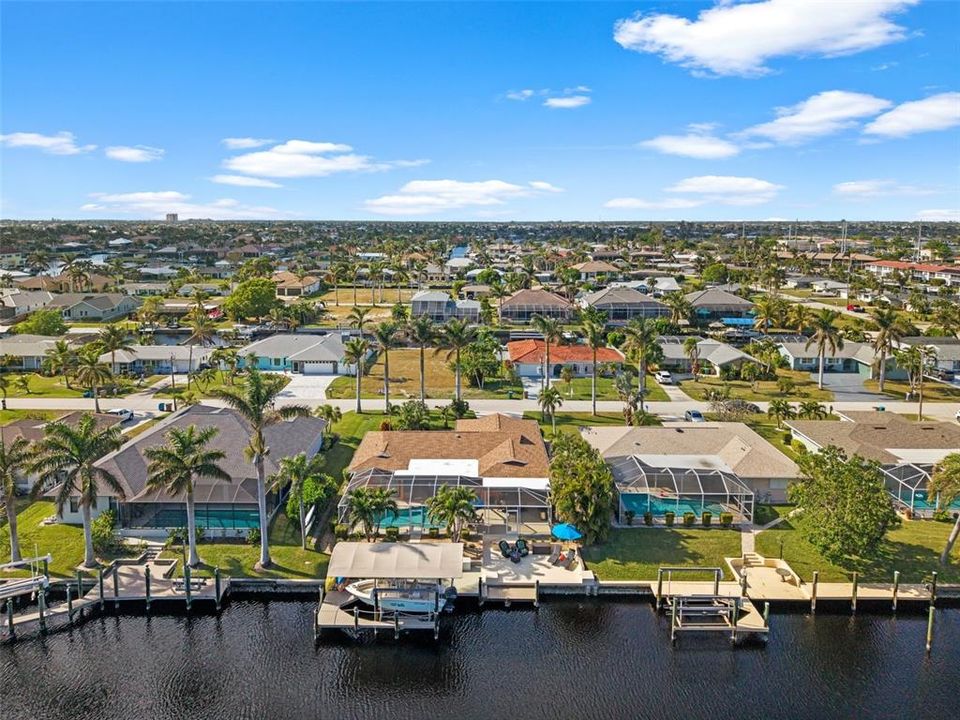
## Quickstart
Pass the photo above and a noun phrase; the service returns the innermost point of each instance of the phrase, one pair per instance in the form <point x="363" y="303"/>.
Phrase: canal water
<point x="574" y="658"/>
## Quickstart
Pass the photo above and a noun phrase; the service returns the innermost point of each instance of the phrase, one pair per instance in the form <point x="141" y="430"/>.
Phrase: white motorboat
<point x="408" y="597"/>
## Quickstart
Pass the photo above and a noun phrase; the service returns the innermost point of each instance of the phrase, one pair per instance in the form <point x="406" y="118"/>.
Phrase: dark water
<point x="571" y="659"/>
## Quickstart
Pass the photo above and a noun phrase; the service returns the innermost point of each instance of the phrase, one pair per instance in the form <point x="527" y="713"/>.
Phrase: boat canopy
<point x="396" y="561"/>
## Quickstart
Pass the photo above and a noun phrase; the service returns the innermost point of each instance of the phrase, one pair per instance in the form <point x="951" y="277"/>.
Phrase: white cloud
<point x="305" y="158"/>
<point x="878" y="188"/>
<point x="521" y="95"/>
<point x="244" y="143"/>
<point x="420" y="197"/>
<point x="63" y="143"/>
<point x="938" y="112"/>
<point x="705" y="190"/>
<point x="698" y="143"/>
<point x="821" y="114"/>
<point x="941" y="215"/>
<point x="740" y="38"/>
<point x="134" y="154"/>
<point x="154" y="205"/>
<point x="244" y="181"/>
<point x="567" y="102"/>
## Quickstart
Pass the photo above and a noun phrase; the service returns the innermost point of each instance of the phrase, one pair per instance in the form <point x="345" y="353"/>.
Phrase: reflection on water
<point x="574" y="658"/>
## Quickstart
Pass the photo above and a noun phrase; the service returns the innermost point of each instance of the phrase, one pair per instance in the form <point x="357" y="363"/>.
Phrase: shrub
<point x="798" y="447"/>
<point x="391" y="534"/>
<point x="460" y="408"/>
<point x="706" y="517"/>
<point x="788" y="438"/>
<point x="689" y="519"/>
<point x="341" y="531"/>
<point x="433" y="533"/>
<point x="253" y="536"/>
<point x="668" y="518"/>
<point x="385" y="426"/>
<point x="103" y="530"/>
<point x="726" y="519"/>
<point x="648" y="518"/>
<point x="630" y="515"/>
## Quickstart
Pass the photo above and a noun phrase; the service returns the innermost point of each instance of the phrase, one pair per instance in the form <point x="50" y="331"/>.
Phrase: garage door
<point x="319" y="368"/>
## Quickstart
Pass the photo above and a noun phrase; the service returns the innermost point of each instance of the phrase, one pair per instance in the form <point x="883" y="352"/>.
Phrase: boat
<point x="408" y="597"/>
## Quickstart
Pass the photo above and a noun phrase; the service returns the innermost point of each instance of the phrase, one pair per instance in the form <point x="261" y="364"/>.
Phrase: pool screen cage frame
<point x="413" y="491"/>
<point x="634" y="477"/>
<point x="904" y="480"/>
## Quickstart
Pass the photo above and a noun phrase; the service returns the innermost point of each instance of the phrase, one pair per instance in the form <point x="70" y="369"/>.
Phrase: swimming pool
<point x="640" y="503"/>
<point x="218" y="518"/>
<point x="407" y="517"/>
<point x="922" y="502"/>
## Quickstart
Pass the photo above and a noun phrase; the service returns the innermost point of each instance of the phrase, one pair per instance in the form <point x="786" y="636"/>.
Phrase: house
<point x="622" y="304"/>
<point x="222" y="509"/>
<point x="710" y="447"/>
<point x="292" y="285"/>
<point x="63" y="283"/>
<point x="32" y="430"/>
<point x="94" y="307"/>
<point x="528" y="356"/>
<point x="524" y="304"/>
<point x="16" y="304"/>
<point x="501" y="459"/>
<point x="591" y="270"/>
<point x="158" y="359"/>
<point x="300" y="353"/>
<point x="716" y="304"/>
<point x="946" y="350"/>
<point x="852" y="357"/>
<point x="440" y="307"/>
<point x="886" y="270"/>
<point x="27" y="351"/>
<point x="713" y="355"/>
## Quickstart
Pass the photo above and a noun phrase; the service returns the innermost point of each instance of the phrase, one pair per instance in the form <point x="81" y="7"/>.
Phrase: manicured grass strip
<point x="764" y="390"/>
<point x="637" y="553"/>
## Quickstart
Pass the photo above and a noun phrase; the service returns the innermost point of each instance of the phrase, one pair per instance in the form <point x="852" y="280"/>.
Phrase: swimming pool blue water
<point x="407" y="517"/>
<point x="641" y="503"/>
<point x="238" y="518"/>
<point x="922" y="502"/>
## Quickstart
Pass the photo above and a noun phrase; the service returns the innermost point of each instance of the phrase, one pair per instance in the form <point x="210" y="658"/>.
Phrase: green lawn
<point x="571" y="421"/>
<point x="764" y="390"/>
<point x="579" y="389"/>
<point x="913" y="549"/>
<point x="636" y="554"/>
<point x="763" y="514"/>
<point x="7" y="416"/>
<point x="205" y="389"/>
<point x="41" y="386"/>
<point x="63" y="542"/>
<point x="933" y="391"/>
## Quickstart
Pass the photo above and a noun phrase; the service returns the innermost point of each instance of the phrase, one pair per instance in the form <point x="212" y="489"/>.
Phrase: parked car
<point x="855" y="308"/>
<point x="693" y="416"/>
<point x="122" y="413"/>
<point x="664" y="377"/>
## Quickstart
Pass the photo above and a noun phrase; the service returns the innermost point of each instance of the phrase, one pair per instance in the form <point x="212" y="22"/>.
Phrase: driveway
<point x="304" y="388"/>
<point x="848" y="387"/>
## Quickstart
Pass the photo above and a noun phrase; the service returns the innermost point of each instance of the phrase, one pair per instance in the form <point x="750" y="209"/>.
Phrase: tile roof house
<point x="524" y="304"/>
<point x="622" y="304"/>
<point x="592" y="269"/>
<point x="528" y="357"/>
<point x="63" y="283"/>
<point x="728" y="447"/>
<point x="222" y="508"/>
<point x="291" y="285"/>
<point x="300" y="353"/>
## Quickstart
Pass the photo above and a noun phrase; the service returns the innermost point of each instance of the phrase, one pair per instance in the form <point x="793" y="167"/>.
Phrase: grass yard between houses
<point x="579" y="389"/>
<point x="933" y="391"/>
<point x="42" y="386"/>
<point x="764" y="390"/>
<point x="637" y="553"/>
<point x="914" y="549"/>
<point x="8" y="416"/>
<point x="366" y="297"/>
<point x="206" y="389"/>
<point x="572" y="421"/>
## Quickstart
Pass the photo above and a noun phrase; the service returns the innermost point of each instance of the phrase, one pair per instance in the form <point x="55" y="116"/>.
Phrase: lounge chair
<point x="522" y="547"/>
<point x="505" y="548"/>
<point x="571" y="561"/>
<point x="554" y="555"/>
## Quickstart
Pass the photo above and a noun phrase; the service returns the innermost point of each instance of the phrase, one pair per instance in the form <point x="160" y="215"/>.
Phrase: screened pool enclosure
<point x="907" y="483"/>
<point x="643" y="488"/>
<point x="519" y="503"/>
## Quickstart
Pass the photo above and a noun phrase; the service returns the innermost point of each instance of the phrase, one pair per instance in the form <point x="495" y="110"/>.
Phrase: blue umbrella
<point x="565" y="531"/>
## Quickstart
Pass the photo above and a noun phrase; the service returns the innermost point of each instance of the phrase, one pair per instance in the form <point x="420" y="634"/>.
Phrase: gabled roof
<point x="100" y="301"/>
<point x="619" y="297"/>
<point x="535" y="297"/>
<point x="715" y="297"/>
<point x="596" y="266"/>
<point x="310" y="348"/>
<point x="533" y="351"/>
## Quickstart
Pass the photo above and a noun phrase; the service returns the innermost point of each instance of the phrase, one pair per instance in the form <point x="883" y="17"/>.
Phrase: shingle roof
<point x="715" y="297"/>
<point x="619" y="296"/>
<point x="310" y="348"/>
<point x="535" y="297"/>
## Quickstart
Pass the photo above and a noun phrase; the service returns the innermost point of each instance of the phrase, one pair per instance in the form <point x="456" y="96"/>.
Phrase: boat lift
<point x="35" y="585"/>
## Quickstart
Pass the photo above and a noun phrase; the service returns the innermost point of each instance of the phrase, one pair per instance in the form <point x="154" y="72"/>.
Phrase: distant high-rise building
<point x="172" y="217"/>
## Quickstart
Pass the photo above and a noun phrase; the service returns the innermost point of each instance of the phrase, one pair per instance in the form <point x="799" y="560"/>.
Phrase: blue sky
<point x="496" y="111"/>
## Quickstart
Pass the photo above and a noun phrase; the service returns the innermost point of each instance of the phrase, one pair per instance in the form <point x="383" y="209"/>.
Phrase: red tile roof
<point x="532" y="351"/>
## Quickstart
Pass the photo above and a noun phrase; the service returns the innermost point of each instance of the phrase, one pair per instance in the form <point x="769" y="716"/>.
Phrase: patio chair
<point x="522" y="547"/>
<point x="554" y="554"/>
<point x="571" y="561"/>
<point x="505" y="548"/>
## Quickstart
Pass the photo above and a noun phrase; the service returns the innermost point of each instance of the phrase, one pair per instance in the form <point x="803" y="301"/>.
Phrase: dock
<point x="735" y="616"/>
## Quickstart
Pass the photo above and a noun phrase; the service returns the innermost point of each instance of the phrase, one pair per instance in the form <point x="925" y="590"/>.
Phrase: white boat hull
<point x="419" y="599"/>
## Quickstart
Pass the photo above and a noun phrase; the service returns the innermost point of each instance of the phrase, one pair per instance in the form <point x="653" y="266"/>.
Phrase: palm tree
<point x="114" y="337"/>
<point x="452" y="507"/>
<point x="917" y="361"/>
<point x="767" y="312"/>
<point x="4" y="388"/>
<point x="691" y="348"/>
<point x="552" y="331"/>
<point x="362" y="510"/>
<point x="62" y="360"/>
<point x="945" y="484"/>
<point x="595" y="334"/>
<point x="358" y="317"/>
<point x="422" y="331"/>
<point x="680" y="307"/>
<point x="455" y="337"/>
<point x="331" y="414"/>
<point x="68" y="455"/>
<point x="812" y="410"/>
<point x="825" y="336"/>
<point x="355" y="352"/>
<point x="387" y="337"/>
<point x="891" y="328"/>
<point x="550" y="399"/>
<point x="798" y="317"/>
<point x="14" y="461"/>
<point x="780" y="410"/>
<point x="176" y="466"/>
<point x="255" y="403"/>
<point x="202" y="330"/>
<point x="92" y="374"/>
<point x="641" y="340"/>
<point x="149" y="312"/>
<point x="295" y="472"/>
<point x="383" y="503"/>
